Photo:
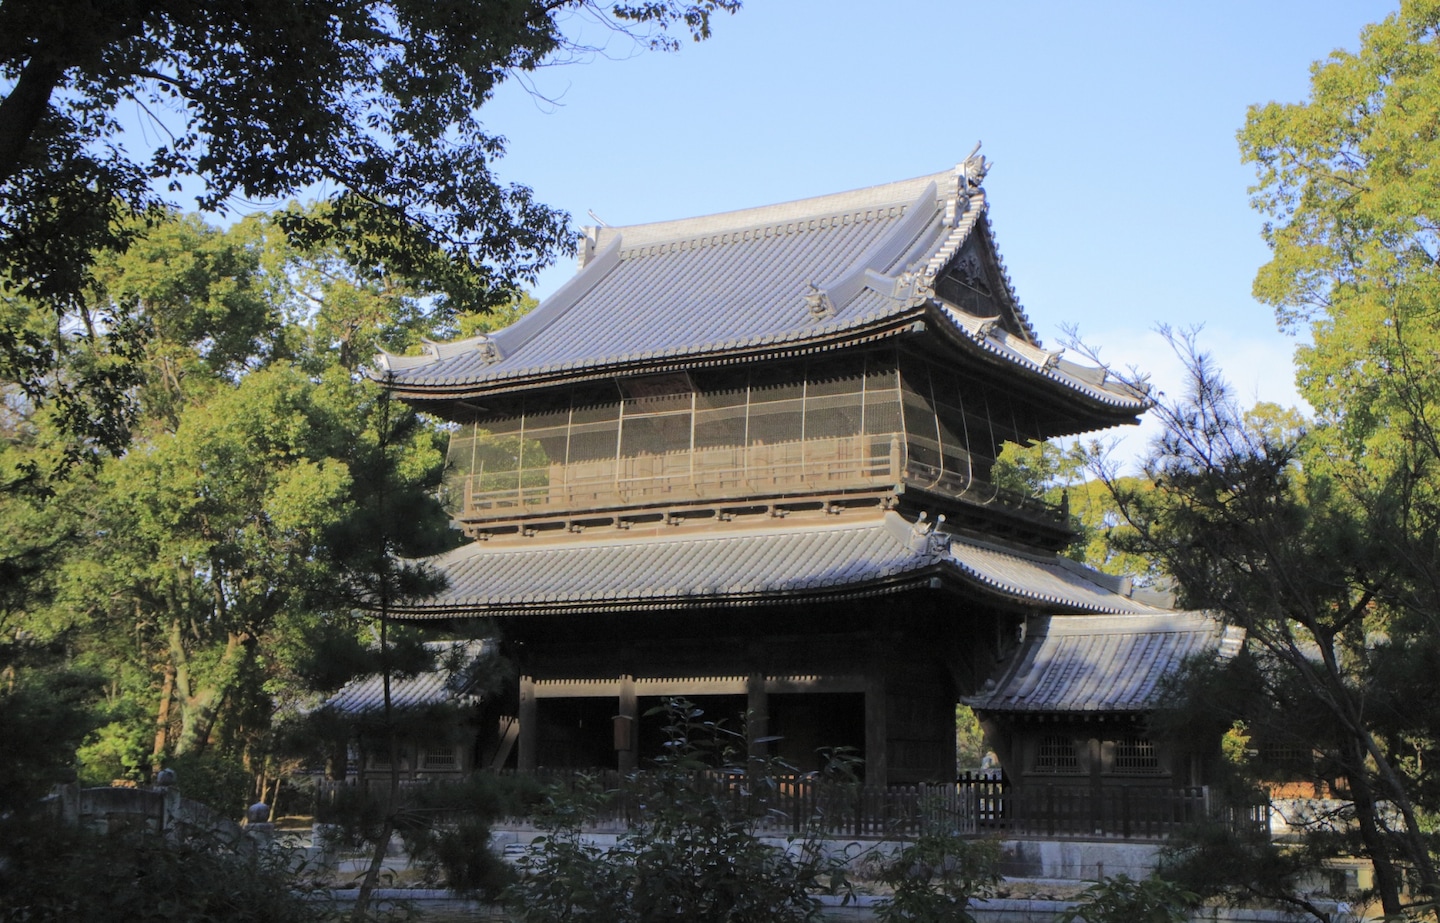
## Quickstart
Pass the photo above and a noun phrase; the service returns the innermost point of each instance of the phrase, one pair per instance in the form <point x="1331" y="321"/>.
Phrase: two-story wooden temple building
<point x="745" y="458"/>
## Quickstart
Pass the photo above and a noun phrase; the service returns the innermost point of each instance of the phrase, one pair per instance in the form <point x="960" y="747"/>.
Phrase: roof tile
<point x="739" y="281"/>
<point x="741" y="564"/>
<point x="1103" y="663"/>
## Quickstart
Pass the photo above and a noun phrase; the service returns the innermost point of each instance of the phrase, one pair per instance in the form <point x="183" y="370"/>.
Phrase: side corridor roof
<point x="1103" y="664"/>
<point x="753" y="564"/>
<point x="450" y="680"/>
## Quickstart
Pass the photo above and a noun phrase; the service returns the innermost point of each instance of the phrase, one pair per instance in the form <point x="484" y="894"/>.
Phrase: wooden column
<point x="529" y="728"/>
<point x="757" y="714"/>
<point x="627" y="759"/>
<point x="876" y="728"/>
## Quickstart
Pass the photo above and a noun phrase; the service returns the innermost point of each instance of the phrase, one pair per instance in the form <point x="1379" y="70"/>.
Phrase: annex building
<point x="746" y="458"/>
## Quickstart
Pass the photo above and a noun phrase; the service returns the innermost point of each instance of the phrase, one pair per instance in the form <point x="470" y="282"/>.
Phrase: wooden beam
<point x="529" y="728"/>
<point x="626" y="720"/>
<point x="757" y="714"/>
<point x="783" y="685"/>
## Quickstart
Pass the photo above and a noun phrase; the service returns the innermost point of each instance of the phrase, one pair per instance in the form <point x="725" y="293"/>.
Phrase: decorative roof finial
<point x="817" y="302"/>
<point x="974" y="167"/>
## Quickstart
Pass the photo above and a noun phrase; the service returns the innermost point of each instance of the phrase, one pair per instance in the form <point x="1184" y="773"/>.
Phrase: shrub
<point x="693" y="856"/>
<point x="56" y="874"/>
<point x="1123" y="899"/>
<point x="214" y="779"/>
<point x="934" y="879"/>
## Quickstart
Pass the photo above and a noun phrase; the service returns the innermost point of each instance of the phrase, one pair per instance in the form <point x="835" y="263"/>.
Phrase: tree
<point x="187" y="571"/>
<point x="1346" y="180"/>
<point x="1265" y="526"/>
<point x="1061" y="474"/>
<point x="377" y="100"/>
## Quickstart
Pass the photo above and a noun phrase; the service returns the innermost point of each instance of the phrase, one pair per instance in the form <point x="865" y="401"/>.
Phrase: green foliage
<point x="52" y="874"/>
<point x="445" y="828"/>
<point x="1330" y="571"/>
<point x="43" y="718"/>
<point x="1062" y="476"/>
<point x="460" y="854"/>
<point x="376" y="100"/>
<point x="935" y="878"/>
<point x="693" y="854"/>
<point x="117" y="750"/>
<point x="217" y="779"/>
<point x="1122" y="899"/>
<point x="969" y="738"/>
<point x="1210" y="861"/>
<point x="1342" y="178"/>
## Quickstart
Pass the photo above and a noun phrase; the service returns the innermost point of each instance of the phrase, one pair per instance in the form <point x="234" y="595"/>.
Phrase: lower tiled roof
<point x="729" y="564"/>
<point x="1103" y="663"/>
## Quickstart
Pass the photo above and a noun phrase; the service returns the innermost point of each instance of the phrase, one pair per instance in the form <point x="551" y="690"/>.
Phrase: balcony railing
<point x="722" y="474"/>
<point x="838" y="466"/>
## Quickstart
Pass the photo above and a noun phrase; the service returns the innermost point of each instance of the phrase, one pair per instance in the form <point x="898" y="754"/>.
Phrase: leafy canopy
<point x="373" y="102"/>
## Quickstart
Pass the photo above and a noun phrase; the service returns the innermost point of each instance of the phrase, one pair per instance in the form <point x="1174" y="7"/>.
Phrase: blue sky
<point x="1117" y="192"/>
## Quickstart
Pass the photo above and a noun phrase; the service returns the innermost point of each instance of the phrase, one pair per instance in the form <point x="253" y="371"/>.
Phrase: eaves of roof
<point x="750" y="565"/>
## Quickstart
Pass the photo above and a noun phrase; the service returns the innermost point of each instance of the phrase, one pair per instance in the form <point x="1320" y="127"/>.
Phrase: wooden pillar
<point x="1099" y="762"/>
<point x="529" y="727"/>
<point x="757" y="714"/>
<point x="876" y="730"/>
<point x="627" y="758"/>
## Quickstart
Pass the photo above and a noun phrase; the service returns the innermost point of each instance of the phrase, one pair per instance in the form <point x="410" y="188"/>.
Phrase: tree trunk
<point x="392" y="806"/>
<point x="22" y="110"/>
<point x="200" y="704"/>
<point x="162" y="720"/>
<point x="1377" y="847"/>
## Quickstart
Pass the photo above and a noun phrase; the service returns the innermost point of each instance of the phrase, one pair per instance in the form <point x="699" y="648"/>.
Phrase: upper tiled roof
<point x="827" y="270"/>
<point x="450" y="681"/>
<point x="749" y="564"/>
<point x="1103" y="663"/>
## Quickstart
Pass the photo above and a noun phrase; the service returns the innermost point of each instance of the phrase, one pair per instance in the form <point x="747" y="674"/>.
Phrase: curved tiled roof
<point x="1103" y="663"/>
<point x="731" y="565"/>
<point x="817" y="272"/>
<point x="1048" y="581"/>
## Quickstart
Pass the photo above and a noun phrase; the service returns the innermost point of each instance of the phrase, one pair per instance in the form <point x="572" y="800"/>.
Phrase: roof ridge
<point x="897" y="194"/>
<point x="702" y="238"/>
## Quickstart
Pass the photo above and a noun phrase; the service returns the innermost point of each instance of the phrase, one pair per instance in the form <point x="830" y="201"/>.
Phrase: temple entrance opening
<point x="812" y="727"/>
<point x="726" y="710"/>
<point x="576" y="733"/>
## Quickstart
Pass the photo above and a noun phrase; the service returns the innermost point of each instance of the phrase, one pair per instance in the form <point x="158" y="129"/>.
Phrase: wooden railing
<point x="720" y="474"/>
<point x="977" y="804"/>
<point x="730" y="474"/>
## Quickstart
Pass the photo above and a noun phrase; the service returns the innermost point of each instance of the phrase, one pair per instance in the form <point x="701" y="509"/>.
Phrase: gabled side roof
<point x="1093" y="664"/>
<point x="806" y="275"/>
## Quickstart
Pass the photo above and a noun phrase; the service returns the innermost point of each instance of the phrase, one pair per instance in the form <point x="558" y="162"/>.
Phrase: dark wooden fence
<point x="976" y="804"/>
